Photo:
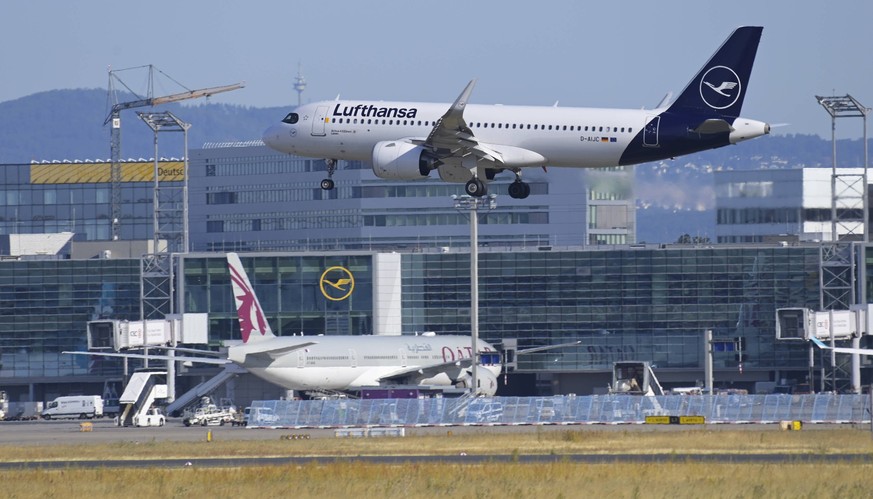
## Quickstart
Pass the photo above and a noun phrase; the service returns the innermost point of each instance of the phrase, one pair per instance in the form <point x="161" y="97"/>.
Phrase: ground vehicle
<point x="152" y="417"/>
<point x="209" y="414"/>
<point x="75" y="406"/>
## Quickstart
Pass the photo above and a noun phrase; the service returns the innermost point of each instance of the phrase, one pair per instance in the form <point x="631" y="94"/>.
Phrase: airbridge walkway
<point x="595" y="409"/>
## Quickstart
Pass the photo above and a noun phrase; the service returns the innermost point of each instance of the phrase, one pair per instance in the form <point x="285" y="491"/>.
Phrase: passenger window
<point x="291" y="118"/>
<point x="550" y="127"/>
<point x="565" y="127"/>
<point x="601" y="129"/>
<point x="630" y="130"/>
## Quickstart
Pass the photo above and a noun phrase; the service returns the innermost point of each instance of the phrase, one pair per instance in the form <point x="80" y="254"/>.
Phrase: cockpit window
<point x="291" y="118"/>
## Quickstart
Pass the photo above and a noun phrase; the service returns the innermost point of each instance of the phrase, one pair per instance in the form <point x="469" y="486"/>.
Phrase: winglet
<point x="461" y="101"/>
<point x="248" y="308"/>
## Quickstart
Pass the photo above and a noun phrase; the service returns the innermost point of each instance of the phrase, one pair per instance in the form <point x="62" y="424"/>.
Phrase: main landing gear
<point x="519" y="189"/>
<point x="476" y="188"/>
<point x="327" y="184"/>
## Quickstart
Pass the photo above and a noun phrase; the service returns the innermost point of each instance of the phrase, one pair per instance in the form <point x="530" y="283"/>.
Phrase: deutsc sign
<point x="171" y="173"/>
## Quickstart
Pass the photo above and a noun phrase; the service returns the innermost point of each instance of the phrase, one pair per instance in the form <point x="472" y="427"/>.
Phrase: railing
<point x="595" y="409"/>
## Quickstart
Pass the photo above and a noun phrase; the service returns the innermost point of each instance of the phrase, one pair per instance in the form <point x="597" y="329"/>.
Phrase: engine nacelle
<point x="393" y="159"/>
<point x="485" y="378"/>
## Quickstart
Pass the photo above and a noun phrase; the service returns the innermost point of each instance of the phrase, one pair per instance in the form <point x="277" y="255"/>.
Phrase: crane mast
<point x="114" y="118"/>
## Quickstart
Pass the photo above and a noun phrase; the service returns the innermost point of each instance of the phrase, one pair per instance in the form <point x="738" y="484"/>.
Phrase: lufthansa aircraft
<point x="343" y="363"/>
<point x="471" y="143"/>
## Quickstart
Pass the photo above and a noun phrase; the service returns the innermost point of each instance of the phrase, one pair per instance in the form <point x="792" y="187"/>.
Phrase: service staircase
<point x="205" y="388"/>
<point x="140" y="393"/>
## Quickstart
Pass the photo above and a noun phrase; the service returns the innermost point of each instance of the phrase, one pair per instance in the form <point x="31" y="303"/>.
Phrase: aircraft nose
<point x="275" y="136"/>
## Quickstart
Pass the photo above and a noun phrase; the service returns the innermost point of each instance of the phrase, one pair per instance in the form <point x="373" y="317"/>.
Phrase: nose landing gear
<point x="327" y="184"/>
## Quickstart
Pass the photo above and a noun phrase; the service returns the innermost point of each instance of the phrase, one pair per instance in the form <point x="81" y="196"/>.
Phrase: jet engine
<point x="486" y="379"/>
<point x="393" y="159"/>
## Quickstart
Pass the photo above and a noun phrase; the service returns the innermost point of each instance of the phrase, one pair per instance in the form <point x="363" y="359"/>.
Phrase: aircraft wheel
<point x="519" y="190"/>
<point x="475" y="188"/>
<point x="327" y="184"/>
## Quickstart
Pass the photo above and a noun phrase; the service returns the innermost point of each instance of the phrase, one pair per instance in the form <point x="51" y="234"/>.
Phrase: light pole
<point x="474" y="204"/>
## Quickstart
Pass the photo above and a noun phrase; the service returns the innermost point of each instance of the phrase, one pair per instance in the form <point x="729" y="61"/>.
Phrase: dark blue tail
<point x="720" y="87"/>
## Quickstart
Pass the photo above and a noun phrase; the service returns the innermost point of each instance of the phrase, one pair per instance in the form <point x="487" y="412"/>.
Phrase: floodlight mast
<point x="114" y="118"/>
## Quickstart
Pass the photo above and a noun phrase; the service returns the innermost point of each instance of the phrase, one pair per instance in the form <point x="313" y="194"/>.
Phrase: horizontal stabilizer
<point x="275" y="353"/>
<point x="200" y="360"/>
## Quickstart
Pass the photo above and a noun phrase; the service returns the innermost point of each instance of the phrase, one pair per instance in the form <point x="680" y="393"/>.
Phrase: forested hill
<point x="68" y="124"/>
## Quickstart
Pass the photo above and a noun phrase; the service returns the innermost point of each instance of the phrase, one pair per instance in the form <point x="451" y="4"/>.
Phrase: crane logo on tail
<point x="720" y="87"/>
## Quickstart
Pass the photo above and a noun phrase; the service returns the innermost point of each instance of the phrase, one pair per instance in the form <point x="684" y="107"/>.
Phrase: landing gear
<point x="327" y="184"/>
<point x="476" y="188"/>
<point x="519" y="189"/>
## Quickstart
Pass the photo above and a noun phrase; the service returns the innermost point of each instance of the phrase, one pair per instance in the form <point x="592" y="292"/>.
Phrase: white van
<point x="76" y="406"/>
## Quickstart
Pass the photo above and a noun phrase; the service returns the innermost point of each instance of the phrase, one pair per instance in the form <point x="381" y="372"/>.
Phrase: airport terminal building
<point x="558" y="266"/>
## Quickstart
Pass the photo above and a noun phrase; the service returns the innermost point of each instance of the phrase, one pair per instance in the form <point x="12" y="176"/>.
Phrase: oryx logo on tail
<point x="251" y="315"/>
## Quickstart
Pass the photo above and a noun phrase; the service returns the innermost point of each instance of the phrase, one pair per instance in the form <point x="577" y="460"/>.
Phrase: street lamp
<point x="474" y="204"/>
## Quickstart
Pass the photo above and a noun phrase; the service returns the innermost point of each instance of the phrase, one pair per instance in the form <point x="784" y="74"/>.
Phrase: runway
<point x="42" y="433"/>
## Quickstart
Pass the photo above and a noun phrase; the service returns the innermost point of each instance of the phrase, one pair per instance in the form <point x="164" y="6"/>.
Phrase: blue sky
<point x="594" y="54"/>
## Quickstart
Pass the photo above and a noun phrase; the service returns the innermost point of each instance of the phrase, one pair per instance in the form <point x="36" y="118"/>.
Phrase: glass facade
<point x="74" y="199"/>
<point x="44" y="308"/>
<point x="250" y="198"/>
<point x="651" y="304"/>
<point x="288" y="289"/>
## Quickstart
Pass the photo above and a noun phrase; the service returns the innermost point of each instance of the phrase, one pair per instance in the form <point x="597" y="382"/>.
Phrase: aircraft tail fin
<point x="253" y="323"/>
<point x="720" y="86"/>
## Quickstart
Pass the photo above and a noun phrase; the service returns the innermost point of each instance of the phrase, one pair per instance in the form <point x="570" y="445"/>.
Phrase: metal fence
<point x="595" y="409"/>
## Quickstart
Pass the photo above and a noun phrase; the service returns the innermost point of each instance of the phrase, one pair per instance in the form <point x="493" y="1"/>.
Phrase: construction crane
<point x="114" y="118"/>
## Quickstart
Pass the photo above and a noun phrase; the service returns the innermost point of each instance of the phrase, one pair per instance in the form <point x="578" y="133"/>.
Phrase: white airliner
<point x="343" y="363"/>
<point x="347" y="363"/>
<point x="471" y="143"/>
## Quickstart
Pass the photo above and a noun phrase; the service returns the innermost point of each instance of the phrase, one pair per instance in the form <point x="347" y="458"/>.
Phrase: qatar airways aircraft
<point x="470" y="143"/>
<point x="343" y="363"/>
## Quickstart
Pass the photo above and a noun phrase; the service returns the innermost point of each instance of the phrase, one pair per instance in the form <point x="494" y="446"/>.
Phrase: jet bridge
<point x="141" y="391"/>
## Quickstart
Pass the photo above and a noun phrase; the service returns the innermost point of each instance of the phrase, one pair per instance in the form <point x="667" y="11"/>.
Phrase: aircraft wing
<point x="426" y="372"/>
<point x="821" y="344"/>
<point x="201" y="360"/>
<point x="451" y="136"/>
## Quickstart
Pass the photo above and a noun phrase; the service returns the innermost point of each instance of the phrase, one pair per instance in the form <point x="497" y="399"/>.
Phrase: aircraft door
<point x="318" y="122"/>
<point x="353" y="358"/>
<point x="650" y="132"/>
<point x="403" y="358"/>
<point x="301" y="358"/>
